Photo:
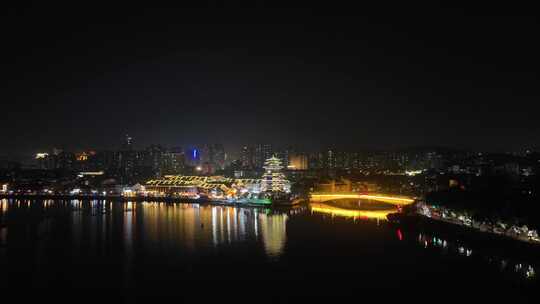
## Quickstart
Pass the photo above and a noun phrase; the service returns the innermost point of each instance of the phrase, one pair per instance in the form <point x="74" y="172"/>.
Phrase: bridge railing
<point x="388" y="198"/>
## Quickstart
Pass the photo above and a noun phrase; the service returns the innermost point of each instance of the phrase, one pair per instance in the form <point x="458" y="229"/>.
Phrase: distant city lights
<point x="42" y="155"/>
<point x="413" y="172"/>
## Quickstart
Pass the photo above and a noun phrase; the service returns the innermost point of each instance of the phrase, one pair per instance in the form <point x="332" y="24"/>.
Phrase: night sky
<point x="359" y="77"/>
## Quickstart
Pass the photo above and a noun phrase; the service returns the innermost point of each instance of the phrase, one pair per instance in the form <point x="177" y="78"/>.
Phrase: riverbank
<point x="120" y="198"/>
<point x="469" y="240"/>
<point x="467" y="234"/>
<point x="501" y="228"/>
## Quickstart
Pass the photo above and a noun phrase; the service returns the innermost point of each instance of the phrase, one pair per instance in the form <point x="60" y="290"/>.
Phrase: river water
<point x="48" y="243"/>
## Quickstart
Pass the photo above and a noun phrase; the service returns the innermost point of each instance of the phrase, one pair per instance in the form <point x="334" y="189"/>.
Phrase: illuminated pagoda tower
<point x="273" y="180"/>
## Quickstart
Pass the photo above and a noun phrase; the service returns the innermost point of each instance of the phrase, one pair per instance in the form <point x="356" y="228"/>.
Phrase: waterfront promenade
<point x="137" y="198"/>
<point x="120" y="198"/>
<point x="523" y="233"/>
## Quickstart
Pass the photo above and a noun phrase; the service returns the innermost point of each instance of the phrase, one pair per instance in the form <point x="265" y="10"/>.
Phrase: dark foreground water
<point x="314" y="249"/>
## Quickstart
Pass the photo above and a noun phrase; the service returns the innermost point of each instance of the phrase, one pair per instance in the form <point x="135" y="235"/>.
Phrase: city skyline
<point x="235" y="152"/>
<point x="271" y="149"/>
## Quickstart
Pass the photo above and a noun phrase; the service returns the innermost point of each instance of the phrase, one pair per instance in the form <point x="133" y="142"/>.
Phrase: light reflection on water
<point x="4" y="207"/>
<point x="184" y="226"/>
<point x="521" y="268"/>
<point x="195" y="226"/>
<point x="351" y="213"/>
<point x="128" y="233"/>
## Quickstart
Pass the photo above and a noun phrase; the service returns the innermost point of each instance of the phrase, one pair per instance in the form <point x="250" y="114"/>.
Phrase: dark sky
<point x="366" y="76"/>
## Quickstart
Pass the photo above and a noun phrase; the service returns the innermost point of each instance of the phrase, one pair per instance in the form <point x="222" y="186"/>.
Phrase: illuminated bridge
<point x="390" y="199"/>
<point x="366" y="214"/>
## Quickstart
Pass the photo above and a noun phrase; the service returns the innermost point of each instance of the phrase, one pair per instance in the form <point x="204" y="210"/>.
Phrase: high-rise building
<point x="298" y="161"/>
<point x="193" y="156"/>
<point x="247" y="157"/>
<point x="213" y="155"/>
<point x="262" y="153"/>
<point x="128" y="160"/>
<point x="330" y="159"/>
<point x="206" y="152"/>
<point x="104" y="161"/>
<point x="173" y="161"/>
<point x="64" y="161"/>
<point x="341" y="160"/>
<point x="218" y="156"/>
<point x="284" y="155"/>
<point x="153" y="158"/>
<point x="44" y="161"/>
<point x="314" y="161"/>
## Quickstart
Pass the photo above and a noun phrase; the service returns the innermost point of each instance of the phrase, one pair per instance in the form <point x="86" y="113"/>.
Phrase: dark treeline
<point x="493" y="198"/>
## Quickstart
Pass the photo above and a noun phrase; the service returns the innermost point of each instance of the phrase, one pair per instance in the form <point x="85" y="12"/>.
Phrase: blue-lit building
<point x="193" y="156"/>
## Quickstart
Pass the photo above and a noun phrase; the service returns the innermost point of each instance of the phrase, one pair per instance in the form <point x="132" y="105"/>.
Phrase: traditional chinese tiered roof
<point x="273" y="179"/>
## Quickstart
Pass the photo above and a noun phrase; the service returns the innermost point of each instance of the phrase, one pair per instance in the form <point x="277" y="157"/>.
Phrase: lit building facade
<point x="262" y="153"/>
<point x="273" y="180"/>
<point x="213" y="187"/>
<point x="272" y="185"/>
<point x="298" y="162"/>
